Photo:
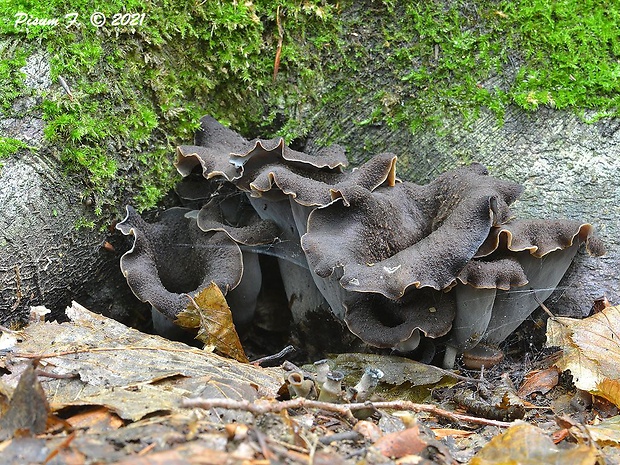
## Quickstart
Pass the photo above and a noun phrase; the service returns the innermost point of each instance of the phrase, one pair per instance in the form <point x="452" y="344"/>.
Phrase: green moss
<point x="9" y="146"/>
<point x="137" y="91"/>
<point x="11" y="79"/>
<point x="571" y="53"/>
<point x="83" y="223"/>
<point x="448" y="58"/>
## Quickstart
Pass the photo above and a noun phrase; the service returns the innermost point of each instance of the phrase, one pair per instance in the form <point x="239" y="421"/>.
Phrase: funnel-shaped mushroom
<point x="394" y="260"/>
<point x="173" y="258"/>
<point x="490" y="306"/>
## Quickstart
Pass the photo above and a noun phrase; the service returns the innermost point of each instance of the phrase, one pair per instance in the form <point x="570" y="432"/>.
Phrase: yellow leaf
<point x="591" y="351"/>
<point x="610" y="390"/>
<point x="209" y="313"/>
<point x="607" y="432"/>
<point x="525" y="444"/>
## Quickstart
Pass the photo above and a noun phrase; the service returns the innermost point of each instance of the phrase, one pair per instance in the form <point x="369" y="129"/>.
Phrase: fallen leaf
<point x="604" y="408"/>
<point x="402" y="443"/>
<point x="28" y="409"/>
<point x="396" y="370"/>
<point x="441" y="433"/>
<point x="368" y="429"/>
<point x="607" y="432"/>
<point x="591" y="351"/>
<point x="210" y="314"/>
<point x="610" y="390"/>
<point x="539" y="381"/>
<point x="525" y="444"/>
<point x="131" y="373"/>
<point x="416" y="440"/>
<point x="95" y="420"/>
<point x="7" y="341"/>
<point x="403" y="378"/>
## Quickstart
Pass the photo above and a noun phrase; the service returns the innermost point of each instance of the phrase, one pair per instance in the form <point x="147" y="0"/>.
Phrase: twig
<point x="337" y="437"/>
<point x="454" y="375"/>
<point x="4" y="329"/>
<point x="63" y="445"/>
<point x="542" y="305"/>
<point x="263" y="406"/>
<point x="106" y="349"/>
<point x="269" y="358"/>
<point x="276" y="62"/>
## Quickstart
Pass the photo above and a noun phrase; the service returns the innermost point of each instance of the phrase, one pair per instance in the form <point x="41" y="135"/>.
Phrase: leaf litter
<point x="590" y="351"/>
<point x="209" y="313"/>
<point x="110" y="394"/>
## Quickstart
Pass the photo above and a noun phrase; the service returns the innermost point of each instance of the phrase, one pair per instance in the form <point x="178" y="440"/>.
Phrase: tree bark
<point x="45" y="259"/>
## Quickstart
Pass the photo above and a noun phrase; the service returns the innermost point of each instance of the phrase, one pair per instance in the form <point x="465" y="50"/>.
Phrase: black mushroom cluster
<point x="396" y="262"/>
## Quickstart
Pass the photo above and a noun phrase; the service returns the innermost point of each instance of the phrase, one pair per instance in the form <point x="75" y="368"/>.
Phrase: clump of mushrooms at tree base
<point x="397" y="263"/>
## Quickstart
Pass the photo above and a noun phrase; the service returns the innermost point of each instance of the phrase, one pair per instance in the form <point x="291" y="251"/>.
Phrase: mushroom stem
<point x="367" y="384"/>
<point x="449" y="358"/>
<point x="300" y="387"/>
<point x="322" y="369"/>
<point x="331" y="391"/>
<point x="410" y="344"/>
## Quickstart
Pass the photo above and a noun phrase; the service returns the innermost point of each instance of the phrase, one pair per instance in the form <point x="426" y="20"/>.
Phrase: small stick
<point x="268" y="358"/>
<point x="276" y="62"/>
<point x="262" y="407"/>
<point x="63" y="445"/>
<point x="337" y="437"/>
<point x="4" y="329"/>
<point x="542" y="305"/>
<point x="65" y="86"/>
<point x="454" y="375"/>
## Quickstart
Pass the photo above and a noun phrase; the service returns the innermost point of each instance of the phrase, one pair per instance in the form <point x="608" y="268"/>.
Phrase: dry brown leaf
<point x="591" y="351"/>
<point x="539" y="381"/>
<point x="28" y="409"/>
<point x="526" y="444"/>
<point x="131" y="373"/>
<point x="95" y="420"/>
<point x="210" y="314"/>
<point x="402" y="443"/>
<point x="607" y="432"/>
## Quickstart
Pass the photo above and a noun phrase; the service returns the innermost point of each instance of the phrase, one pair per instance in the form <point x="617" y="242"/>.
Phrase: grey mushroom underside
<point x="243" y="298"/>
<point x="329" y="287"/>
<point x="489" y="316"/>
<point x="173" y="257"/>
<point x="514" y="306"/>
<point x="301" y="292"/>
